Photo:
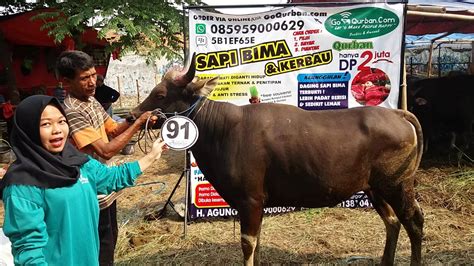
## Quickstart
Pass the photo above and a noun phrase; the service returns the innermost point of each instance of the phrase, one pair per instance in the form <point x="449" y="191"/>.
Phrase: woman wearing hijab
<point x="50" y="191"/>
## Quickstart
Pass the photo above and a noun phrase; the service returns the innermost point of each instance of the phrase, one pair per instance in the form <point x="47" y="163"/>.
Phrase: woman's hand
<point x="158" y="147"/>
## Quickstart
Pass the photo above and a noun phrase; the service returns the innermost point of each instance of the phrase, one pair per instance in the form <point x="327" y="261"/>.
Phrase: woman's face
<point x="54" y="129"/>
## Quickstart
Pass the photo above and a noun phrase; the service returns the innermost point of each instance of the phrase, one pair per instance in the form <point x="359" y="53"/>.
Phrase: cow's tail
<point x="419" y="134"/>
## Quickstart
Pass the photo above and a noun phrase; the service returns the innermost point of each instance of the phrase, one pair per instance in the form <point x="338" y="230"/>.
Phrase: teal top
<point x="58" y="226"/>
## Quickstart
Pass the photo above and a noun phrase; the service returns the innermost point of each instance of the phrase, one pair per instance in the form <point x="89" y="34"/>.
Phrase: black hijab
<point x="35" y="165"/>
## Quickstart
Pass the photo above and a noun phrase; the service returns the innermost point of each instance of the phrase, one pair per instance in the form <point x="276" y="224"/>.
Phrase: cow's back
<point x="310" y="154"/>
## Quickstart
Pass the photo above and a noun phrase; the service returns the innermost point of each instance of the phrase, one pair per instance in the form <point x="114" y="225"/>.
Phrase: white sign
<point x="316" y="58"/>
<point x="179" y="133"/>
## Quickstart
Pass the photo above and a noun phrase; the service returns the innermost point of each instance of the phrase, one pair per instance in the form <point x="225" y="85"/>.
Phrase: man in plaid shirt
<point x="91" y="128"/>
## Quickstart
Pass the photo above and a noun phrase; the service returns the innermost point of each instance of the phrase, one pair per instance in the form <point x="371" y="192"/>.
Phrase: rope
<point x="152" y="183"/>
<point x="463" y="153"/>
<point x="158" y="191"/>
<point x="148" y="133"/>
<point x="8" y="144"/>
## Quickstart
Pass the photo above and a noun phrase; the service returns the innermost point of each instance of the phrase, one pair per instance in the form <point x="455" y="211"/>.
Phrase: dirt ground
<point x="329" y="235"/>
<point x="314" y="236"/>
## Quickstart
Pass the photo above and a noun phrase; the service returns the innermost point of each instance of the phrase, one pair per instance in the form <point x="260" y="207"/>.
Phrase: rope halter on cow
<point x="157" y="112"/>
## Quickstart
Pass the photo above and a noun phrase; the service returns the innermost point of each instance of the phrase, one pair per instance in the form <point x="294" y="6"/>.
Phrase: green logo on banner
<point x="200" y="28"/>
<point x="362" y="23"/>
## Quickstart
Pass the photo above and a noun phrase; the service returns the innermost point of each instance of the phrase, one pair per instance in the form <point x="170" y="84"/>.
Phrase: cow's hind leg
<point x="250" y="224"/>
<point x="402" y="200"/>
<point x="392" y="226"/>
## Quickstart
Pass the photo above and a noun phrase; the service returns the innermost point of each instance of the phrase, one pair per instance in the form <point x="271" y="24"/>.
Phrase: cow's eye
<point x="160" y="97"/>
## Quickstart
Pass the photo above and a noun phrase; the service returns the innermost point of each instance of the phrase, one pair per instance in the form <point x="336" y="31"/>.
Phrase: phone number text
<point x="260" y="28"/>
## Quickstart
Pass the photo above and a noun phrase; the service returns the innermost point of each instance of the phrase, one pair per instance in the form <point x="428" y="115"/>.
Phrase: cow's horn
<point x="184" y="79"/>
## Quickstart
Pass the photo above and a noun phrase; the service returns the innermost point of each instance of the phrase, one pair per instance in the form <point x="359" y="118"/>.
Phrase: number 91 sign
<point x="179" y="133"/>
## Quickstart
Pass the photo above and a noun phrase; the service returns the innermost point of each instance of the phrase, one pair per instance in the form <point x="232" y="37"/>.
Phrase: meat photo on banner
<point x="313" y="57"/>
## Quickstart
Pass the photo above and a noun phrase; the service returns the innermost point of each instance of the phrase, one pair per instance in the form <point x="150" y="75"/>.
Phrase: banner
<point x="205" y="202"/>
<point x="316" y="58"/>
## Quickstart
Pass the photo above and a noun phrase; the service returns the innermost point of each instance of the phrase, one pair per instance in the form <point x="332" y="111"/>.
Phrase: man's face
<point x="84" y="83"/>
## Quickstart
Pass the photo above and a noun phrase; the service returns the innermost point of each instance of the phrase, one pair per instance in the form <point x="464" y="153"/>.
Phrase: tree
<point x="153" y="28"/>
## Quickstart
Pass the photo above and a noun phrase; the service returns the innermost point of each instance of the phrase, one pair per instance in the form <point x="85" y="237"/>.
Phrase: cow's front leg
<point x="250" y="213"/>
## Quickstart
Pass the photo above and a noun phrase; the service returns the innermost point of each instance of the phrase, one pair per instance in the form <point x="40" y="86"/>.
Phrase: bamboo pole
<point x="430" y="60"/>
<point x="138" y="92"/>
<point x="120" y="91"/>
<point x="439" y="60"/>
<point x="471" y="66"/>
<point x="440" y="15"/>
<point x="404" y="86"/>
<point x="456" y="41"/>
<point x="432" y="9"/>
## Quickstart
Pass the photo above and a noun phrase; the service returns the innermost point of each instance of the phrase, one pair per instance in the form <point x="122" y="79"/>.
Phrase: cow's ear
<point x="208" y="86"/>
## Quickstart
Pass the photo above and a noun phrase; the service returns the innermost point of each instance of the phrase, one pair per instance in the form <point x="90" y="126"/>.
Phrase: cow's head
<point x="177" y="91"/>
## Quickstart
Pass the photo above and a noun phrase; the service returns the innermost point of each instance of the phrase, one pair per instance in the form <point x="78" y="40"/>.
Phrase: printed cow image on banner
<point x="316" y="58"/>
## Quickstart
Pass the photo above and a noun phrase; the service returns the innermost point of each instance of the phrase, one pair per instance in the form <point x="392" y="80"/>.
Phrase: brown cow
<point x="268" y="154"/>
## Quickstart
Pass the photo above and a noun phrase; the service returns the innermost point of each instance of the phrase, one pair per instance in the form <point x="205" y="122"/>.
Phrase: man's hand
<point x="144" y="117"/>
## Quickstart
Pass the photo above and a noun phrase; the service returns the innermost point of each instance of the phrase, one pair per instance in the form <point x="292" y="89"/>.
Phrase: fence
<point x="438" y="69"/>
<point x="445" y="59"/>
<point x="134" y="78"/>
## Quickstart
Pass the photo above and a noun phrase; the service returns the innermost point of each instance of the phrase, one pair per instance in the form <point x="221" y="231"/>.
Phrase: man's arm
<point x="108" y="150"/>
<point x="121" y="127"/>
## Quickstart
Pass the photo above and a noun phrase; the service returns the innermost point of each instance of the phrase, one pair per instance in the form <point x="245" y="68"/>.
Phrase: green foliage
<point x="148" y="27"/>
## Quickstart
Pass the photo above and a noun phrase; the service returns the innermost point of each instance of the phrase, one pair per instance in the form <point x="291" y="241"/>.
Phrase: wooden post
<point x="471" y="65"/>
<point x="138" y="92"/>
<point x="430" y="60"/>
<point x="440" y="16"/>
<point x="120" y="91"/>
<point x="439" y="60"/>
<point x="404" y="86"/>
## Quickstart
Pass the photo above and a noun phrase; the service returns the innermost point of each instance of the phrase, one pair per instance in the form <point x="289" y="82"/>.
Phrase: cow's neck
<point x="215" y="119"/>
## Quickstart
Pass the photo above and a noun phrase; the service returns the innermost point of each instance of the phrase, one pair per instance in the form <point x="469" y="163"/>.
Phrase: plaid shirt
<point x="88" y="122"/>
